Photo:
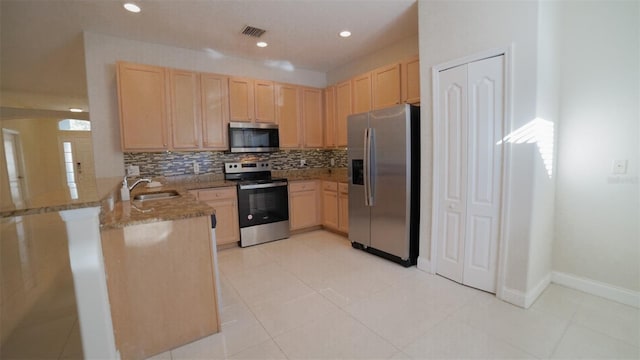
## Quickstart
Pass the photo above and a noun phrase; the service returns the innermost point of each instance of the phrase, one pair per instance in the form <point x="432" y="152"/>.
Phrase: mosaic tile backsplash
<point x="211" y="162"/>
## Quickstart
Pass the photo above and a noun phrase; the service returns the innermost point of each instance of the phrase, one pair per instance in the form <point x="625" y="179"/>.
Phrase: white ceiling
<point x="41" y="41"/>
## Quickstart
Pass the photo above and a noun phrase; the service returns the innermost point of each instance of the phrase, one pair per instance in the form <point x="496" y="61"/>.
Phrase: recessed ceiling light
<point x="75" y="110"/>
<point x="262" y="44"/>
<point x="345" y="33"/>
<point x="132" y="7"/>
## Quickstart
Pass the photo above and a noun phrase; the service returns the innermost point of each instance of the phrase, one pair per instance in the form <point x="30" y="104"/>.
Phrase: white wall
<point x="597" y="213"/>
<point x="451" y="30"/>
<point x="399" y="51"/>
<point x="101" y="54"/>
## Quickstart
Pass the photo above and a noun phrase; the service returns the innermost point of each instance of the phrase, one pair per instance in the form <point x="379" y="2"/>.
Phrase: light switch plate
<point x="133" y="170"/>
<point x="619" y="167"/>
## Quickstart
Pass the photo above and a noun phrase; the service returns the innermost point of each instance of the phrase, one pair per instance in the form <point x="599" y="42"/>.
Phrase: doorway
<point x="468" y="170"/>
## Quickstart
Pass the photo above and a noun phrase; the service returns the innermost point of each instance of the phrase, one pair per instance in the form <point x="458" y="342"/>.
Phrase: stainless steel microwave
<point x="253" y="137"/>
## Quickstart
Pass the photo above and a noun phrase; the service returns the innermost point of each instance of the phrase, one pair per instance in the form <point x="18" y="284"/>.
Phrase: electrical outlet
<point x="303" y="162"/>
<point x="619" y="167"/>
<point x="133" y="170"/>
<point x="196" y="167"/>
<point x="333" y="162"/>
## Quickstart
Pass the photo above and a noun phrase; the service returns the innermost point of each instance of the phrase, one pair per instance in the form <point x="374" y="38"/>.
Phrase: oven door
<point x="263" y="203"/>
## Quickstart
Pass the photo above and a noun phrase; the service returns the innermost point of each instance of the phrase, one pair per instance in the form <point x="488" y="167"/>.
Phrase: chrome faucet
<point x="135" y="183"/>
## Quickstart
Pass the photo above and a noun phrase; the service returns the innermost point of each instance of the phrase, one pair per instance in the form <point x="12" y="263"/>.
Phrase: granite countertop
<point x="116" y="214"/>
<point x="135" y="212"/>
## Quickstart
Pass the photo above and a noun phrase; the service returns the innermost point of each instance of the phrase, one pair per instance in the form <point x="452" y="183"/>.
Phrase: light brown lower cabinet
<point x="161" y="284"/>
<point x="304" y="204"/>
<point x="225" y="202"/>
<point x="343" y="207"/>
<point x="335" y="206"/>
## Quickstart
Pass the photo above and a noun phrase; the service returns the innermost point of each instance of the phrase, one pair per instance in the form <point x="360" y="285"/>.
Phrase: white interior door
<point x="453" y="170"/>
<point x="471" y="108"/>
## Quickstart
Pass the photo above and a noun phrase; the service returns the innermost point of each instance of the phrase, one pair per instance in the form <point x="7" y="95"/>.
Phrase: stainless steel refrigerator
<point x="384" y="182"/>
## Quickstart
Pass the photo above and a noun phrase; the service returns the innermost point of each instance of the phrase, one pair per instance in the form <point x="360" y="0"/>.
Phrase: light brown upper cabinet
<point x="312" y="118"/>
<point x="265" y="101"/>
<point x="184" y="92"/>
<point x="215" y="111"/>
<point x="251" y="100"/>
<point x="288" y="115"/>
<point x="362" y="93"/>
<point x="411" y="80"/>
<point x="386" y="86"/>
<point x="241" y="99"/>
<point x="343" y="110"/>
<point x="142" y="95"/>
<point x="167" y="109"/>
<point x="330" y="116"/>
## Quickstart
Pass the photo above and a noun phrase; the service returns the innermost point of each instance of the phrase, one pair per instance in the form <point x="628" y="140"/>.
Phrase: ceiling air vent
<point x="253" y="31"/>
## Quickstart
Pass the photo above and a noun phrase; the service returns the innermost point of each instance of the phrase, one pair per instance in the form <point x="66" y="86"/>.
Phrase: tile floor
<point x="313" y="296"/>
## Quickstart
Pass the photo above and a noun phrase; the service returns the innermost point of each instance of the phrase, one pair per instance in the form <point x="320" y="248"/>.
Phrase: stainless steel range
<point x="263" y="202"/>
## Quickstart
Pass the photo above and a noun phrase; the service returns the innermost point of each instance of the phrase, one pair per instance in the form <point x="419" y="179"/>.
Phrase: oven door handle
<point x="263" y="186"/>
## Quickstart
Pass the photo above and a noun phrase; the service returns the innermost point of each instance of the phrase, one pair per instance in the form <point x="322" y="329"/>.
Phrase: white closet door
<point x="471" y="117"/>
<point x="485" y="79"/>
<point x="453" y="170"/>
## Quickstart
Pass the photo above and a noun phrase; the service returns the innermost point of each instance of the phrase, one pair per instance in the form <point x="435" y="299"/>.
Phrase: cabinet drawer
<point x="330" y="186"/>
<point x="302" y="186"/>
<point x="344" y="188"/>
<point x="215" y="194"/>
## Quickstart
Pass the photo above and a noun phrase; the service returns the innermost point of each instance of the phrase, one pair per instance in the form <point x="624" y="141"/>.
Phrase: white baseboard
<point x="537" y="290"/>
<point x="512" y="296"/>
<point x="424" y="265"/>
<point x="524" y="300"/>
<point x="593" y="287"/>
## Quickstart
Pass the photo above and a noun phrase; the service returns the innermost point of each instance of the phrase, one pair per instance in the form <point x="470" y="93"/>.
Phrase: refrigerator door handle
<point x="371" y="174"/>
<point x="365" y="169"/>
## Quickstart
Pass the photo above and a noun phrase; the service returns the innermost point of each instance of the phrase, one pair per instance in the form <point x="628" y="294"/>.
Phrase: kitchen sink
<point x="157" y="195"/>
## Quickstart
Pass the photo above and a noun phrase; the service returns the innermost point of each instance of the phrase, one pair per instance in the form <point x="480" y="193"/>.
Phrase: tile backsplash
<point x="170" y="163"/>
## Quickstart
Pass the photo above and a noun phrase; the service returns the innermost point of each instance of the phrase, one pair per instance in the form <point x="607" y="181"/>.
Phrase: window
<point x="74" y="125"/>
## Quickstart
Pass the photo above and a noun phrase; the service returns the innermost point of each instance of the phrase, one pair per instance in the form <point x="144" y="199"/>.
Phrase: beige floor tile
<point x="616" y="320"/>
<point x="452" y="339"/>
<point x="260" y="280"/>
<point x="559" y="301"/>
<point x="582" y="343"/>
<point x="265" y="350"/>
<point x="530" y="330"/>
<point x="242" y="259"/>
<point x="280" y="317"/>
<point x="162" y="356"/>
<point x="352" y="287"/>
<point x="334" y="336"/>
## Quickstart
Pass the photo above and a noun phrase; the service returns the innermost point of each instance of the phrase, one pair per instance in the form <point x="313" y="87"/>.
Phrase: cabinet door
<point x="143" y="107"/>
<point x="411" y="81"/>
<point x="343" y="110"/>
<point x="288" y="115"/>
<point x="304" y="205"/>
<point x="264" y="102"/>
<point x="184" y="92"/>
<point x="343" y="208"/>
<point x="241" y="99"/>
<point x="329" y="205"/>
<point x="362" y="93"/>
<point x="330" y="116"/>
<point x="227" y="227"/>
<point x="386" y="86"/>
<point x="312" y="117"/>
<point x="215" y="110"/>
